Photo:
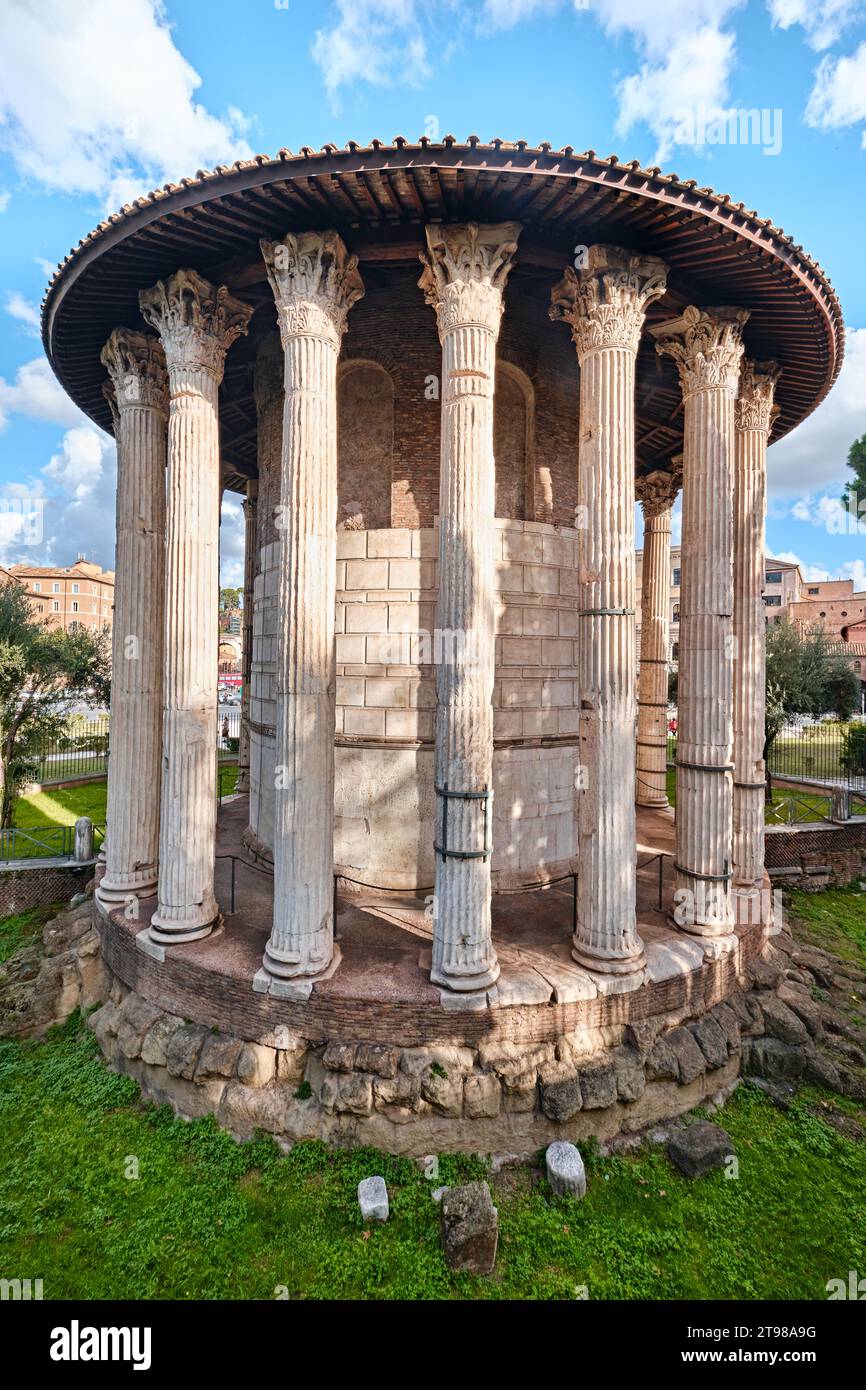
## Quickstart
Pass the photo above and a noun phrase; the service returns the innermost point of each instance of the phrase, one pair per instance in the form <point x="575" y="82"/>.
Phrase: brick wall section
<point x="541" y="350"/>
<point x="39" y="885"/>
<point x="822" y="856"/>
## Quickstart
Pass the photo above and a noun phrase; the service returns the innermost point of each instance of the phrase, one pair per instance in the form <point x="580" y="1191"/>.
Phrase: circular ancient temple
<point x="449" y="894"/>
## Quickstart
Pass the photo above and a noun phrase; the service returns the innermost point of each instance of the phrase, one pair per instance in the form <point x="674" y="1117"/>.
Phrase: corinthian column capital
<point x="755" y="409"/>
<point x="657" y="491"/>
<point x="605" y="303"/>
<point x="135" y="363"/>
<point x="466" y="267"/>
<point x="707" y="346"/>
<point x="315" y="283"/>
<point x="197" y="322"/>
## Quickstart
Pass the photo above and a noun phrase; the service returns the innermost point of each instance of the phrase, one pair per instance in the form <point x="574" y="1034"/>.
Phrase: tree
<point x="41" y="670"/>
<point x="804" y="678"/>
<point x="230" y="598"/>
<point x="855" y="492"/>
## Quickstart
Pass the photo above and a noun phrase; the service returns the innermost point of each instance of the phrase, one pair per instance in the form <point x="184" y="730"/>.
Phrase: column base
<point x="191" y="924"/>
<point x="243" y="780"/>
<point x="117" y="891"/>
<point x="608" y="965"/>
<point x="704" y="931"/>
<point x="466" y="984"/>
<point x="659" y="804"/>
<point x="279" y="986"/>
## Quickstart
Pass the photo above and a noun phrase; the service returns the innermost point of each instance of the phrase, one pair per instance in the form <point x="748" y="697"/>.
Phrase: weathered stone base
<point x="493" y="1097"/>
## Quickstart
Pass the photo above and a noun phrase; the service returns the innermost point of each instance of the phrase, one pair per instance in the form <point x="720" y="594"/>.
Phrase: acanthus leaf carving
<point x="197" y="322"/>
<point x="466" y="267"/>
<point x="605" y="303"/>
<point x="657" y="491"/>
<point x="707" y="346"/>
<point x="755" y="409"/>
<point x="315" y="283"/>
<point x="135" y="363"/>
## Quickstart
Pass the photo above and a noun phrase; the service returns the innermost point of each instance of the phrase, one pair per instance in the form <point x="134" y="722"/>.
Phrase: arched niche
<point x="365" y="445"/>
<point x="513" y="439"/>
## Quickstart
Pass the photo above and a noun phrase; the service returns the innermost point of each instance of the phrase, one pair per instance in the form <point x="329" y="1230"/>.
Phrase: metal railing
<point x="792" y="808"/>
<point x="43" y="841"/>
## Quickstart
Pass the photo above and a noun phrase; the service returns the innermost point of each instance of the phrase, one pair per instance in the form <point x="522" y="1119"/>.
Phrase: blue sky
<point x="100" y="101"/>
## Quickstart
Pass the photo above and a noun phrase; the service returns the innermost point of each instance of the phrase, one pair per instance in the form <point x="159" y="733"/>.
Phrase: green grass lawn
<point x="789" y="806"/>
<point x="62" y="806"/>
<point x="209" y="1218"/>
<point x="834" y="919"/>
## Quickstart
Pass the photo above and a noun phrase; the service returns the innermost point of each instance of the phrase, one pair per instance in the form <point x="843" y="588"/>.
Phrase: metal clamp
<point x="485" y="797"/>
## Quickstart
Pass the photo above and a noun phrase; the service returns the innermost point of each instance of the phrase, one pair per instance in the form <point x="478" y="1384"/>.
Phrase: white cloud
<point x="67" y="508"/>
<point x="96" y="99"/>
<point x="37" y="393"/>
<point x="5" y="199"/>
<point x="838" y="97"/>
<point x="21" y="309"/>
<point x="77" y="469"/>
<point x="504" y="14"/>
<point x="669" y="96"/>
<point x="812" y="458"/>
<point x="813" y="574"/>
<point x="232" y="541"/>
<point x="823" y="20"/>
<point x="379" y="41"/>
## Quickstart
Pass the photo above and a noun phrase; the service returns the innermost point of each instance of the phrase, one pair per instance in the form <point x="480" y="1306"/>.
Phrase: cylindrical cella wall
<point x="386" y="644"/>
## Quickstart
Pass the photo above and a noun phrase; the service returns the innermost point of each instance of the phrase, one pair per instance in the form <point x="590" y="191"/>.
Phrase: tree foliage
<point x="855" y="490"/>
<point x="42" y="669"/>
<point x="804" y="678"/>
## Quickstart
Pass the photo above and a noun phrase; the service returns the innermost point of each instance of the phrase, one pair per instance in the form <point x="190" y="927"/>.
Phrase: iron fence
<point x="827" y="754"/>
<point x="81" y="749"/>
<point x="43" y="841"/>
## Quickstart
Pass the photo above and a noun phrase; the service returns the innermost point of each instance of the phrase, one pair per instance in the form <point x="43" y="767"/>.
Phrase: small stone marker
<point x="699" y="1148"/>
<point x="373" y="1199"/>
<point x="438" y="1193"/>
<point x="470" y="1229"/>
<point x="565" y="1171"/>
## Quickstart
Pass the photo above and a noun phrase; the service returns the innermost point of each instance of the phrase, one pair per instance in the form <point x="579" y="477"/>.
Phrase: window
<point x="814" y="591"/>
<point x="675" y="651"/>
<point x="676" y="613"/>
<point x="74" y="607"/>
<point x="40" y="608"/>
<point x="55" y="606"/>
<point x="676" y="577"/>
<point x="94" y="607"/>
<point x="774" y="576"/>
<point x="55" y="588"/>
<point x="37" y="587"/>
<point x="94" y="590"/>
<point x="75" y="588"/>
<point x="773" y="600"/>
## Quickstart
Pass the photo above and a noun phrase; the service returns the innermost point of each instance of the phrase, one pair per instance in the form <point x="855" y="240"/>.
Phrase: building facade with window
<point x="79" y="595"/>
<point x="783" y="587"/>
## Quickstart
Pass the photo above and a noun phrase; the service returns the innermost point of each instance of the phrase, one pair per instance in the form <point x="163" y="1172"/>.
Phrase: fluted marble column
<point x="605" y="305"/>
<point x="656" y="493"/>
<point x="139" y="387"/>
<point x="707" y="347"/>
<point x="465" y="270"/>
<point x="243" y="782"/>
<point x="196" y="323"/>
<point x="315" y="283"/>
<point x="753" y="417"/>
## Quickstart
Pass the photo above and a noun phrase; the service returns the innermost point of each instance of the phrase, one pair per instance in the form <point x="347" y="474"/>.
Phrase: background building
<point x="783" y="587"/>
<point x="79" y="595"/>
